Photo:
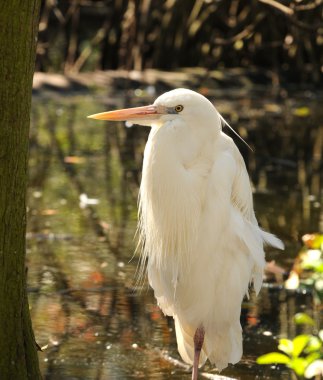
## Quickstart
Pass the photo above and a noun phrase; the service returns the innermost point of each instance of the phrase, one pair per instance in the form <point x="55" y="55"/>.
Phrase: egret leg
<point x="198" y="343"/>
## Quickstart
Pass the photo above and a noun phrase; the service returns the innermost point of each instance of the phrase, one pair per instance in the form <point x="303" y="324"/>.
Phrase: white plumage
<point x="199" y="235"/>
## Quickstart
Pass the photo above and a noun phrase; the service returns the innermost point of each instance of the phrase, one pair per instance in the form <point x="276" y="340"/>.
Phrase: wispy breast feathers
<point x="169" y="214"/>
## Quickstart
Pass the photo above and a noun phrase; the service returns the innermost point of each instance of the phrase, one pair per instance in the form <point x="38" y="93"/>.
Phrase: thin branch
<point x="87" y="51"/>
<point x="279" y="6"/>
<point x="289" y="12"/>
<point x="308" y="7"/>
<point x="241" y="35"/>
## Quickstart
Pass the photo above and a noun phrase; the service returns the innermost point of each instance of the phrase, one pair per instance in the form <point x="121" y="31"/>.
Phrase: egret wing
<point x="250" y="233"/>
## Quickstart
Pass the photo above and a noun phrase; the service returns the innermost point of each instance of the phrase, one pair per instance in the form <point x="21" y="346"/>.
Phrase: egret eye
<point x="179" y="108"/>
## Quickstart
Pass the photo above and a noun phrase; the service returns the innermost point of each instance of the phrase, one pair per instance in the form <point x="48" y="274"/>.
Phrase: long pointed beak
<point x="146" y="112"/>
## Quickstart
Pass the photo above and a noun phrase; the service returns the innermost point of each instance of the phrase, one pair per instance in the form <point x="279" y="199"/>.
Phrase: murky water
<point x="84" y="179"/>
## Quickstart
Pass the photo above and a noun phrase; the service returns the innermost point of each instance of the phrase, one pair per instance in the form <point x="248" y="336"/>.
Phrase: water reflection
<point x="85" y="312"/>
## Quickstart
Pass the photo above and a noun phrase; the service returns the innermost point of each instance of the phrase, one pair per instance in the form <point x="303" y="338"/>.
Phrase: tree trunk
<point x="19" y="24"/>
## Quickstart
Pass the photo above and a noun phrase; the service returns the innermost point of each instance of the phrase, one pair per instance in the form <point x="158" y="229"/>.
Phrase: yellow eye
<point x="179" y="108"/>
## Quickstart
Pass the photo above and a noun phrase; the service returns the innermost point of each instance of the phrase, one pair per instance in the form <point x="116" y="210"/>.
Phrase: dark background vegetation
<point x="282" y="38"/>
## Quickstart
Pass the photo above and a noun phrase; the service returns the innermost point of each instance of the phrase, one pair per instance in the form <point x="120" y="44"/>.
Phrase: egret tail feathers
<point x="220" y="347"/>
<point x="185" y="343"/>
<point x="224" y="346"/>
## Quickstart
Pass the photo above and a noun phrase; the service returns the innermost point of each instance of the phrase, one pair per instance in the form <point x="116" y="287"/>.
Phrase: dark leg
<point x="198" y="343"/>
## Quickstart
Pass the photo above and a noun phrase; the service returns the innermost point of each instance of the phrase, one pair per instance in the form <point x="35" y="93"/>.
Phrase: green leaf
<point x="318" y="242"/>
<point x="303" y="319"/>
<point x="286" y="346"/>
<point x="314" y="265"/>
<point x="299" y="343"/>
<point x="319" y="285"/>
<point x="312" y="357"/>
<point x="298" y="365"/>
<point x="313" y="345"/>
<point x="319" y="267"/>
<point x="273" y="358"/>
<point x="302" y="112"/>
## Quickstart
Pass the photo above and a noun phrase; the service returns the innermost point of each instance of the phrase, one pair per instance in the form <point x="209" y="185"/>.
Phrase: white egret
<point x="200" y="239"/>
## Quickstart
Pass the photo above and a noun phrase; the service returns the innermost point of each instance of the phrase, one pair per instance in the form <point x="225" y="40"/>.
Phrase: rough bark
<point x="18" y="25"/>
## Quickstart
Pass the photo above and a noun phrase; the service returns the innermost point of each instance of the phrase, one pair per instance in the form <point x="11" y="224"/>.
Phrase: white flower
<point x="314" y="369"/>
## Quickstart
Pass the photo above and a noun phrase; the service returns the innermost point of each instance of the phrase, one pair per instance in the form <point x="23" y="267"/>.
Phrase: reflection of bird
<point x="197" y="225"/>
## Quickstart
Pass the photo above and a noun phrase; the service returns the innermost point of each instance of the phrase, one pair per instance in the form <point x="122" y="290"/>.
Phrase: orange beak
<point x="146" y="112"/>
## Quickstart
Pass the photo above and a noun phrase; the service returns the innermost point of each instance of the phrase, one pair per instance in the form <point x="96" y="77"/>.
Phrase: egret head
<point x="182" y="105"/>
